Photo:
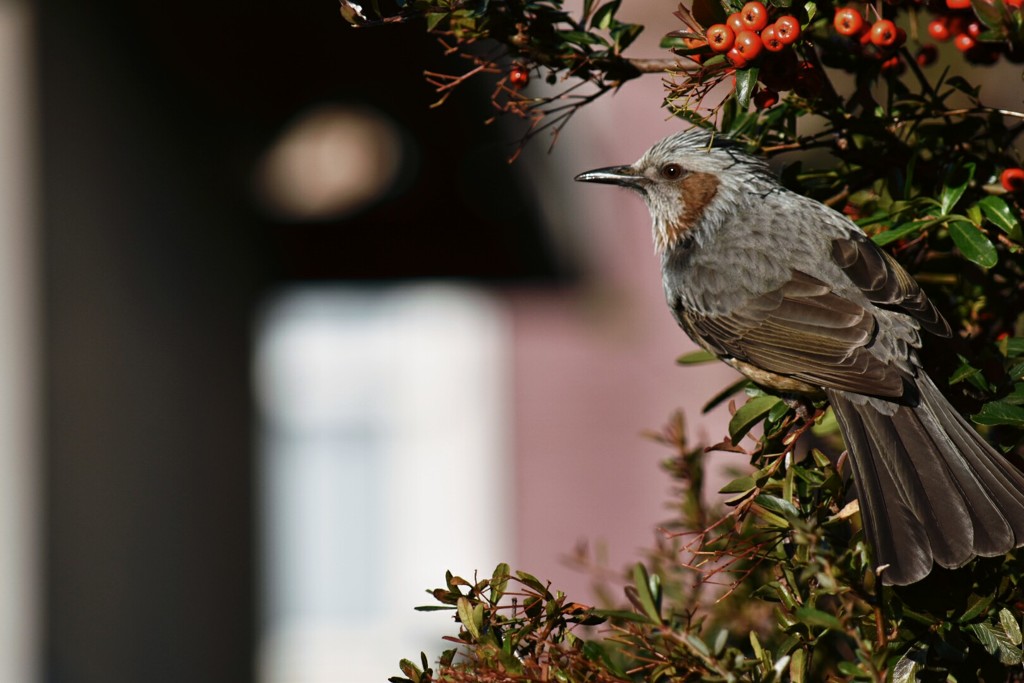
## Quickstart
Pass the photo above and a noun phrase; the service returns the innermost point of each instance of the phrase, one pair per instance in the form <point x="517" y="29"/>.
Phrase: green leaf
<point x="740" y="485"/>
<point x="470" y="616"/>
<point x="907" y="229"/>
<point x="749" y="414"/>
<point x="974" y="214"/>
<point x="815" y="617"/>
<point x="963" y="85"/>
<point x="1016" y="397"/>
<point x="965" y="371"/>
<point x="746" y="83"/>
<point x="820" y="459"/>
<point x="605" y="14"/>
<point x="411" y="670"/>
<point x="778" y="505"/>
<point x="725" y="394"/>
<point x="1010" y="626"/>
<point x="698" y="645"/>
<point x="435" y="18"/>
<point x="729" y="109"/>
<point x="996" y="641"/>
<point x="1009" y="655"/>
<point x="696" y="357"/>
<point x="951" y="193"/>
<point x="649" y="599"/>
<point x="499" y="582"/>
<point x="720" y="640"/>
<point x="798" y="666"/>
<point x="906" y="668"/>
<point x="581" y="38"/>
<point x="1000" y="413"/>
<point x="620" y="615"/>
<point x="811" y="8"/>
<point x="1014" y="347"/>
<point x="623" y="35"/>
<point x="973" y="243"/>
<point x="979" y="605"/>
<point x="756" y="644"/>
<point x="850" y="669"/>
<point x="679" y="44"/>
<point x="533" y="582"/>
<point x="999" y="213"/>
<point x="772" y="519"/>
<point x="990" y="12"/>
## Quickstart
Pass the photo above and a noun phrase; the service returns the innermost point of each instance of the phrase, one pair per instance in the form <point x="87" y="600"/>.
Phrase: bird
<point x="796" y="297"/>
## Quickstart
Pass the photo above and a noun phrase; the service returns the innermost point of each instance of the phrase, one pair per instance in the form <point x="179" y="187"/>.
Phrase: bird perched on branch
<point x="793" y="295"/>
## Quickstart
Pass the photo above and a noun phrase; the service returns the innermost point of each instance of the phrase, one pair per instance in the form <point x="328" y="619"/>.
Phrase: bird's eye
<point x="671" y="171"/>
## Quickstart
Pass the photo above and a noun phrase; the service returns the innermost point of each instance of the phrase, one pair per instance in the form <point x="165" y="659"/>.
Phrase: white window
<point x="383" y="463"/>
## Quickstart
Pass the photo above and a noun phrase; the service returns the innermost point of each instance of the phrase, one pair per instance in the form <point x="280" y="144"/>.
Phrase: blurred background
<point x="281" y="343"/>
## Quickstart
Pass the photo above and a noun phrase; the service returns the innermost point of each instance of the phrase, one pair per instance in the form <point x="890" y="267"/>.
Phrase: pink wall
<point x="595" y="367"/>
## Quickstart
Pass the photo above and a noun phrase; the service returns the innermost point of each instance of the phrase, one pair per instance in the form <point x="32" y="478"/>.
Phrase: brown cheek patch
<point x="696" y="191"/>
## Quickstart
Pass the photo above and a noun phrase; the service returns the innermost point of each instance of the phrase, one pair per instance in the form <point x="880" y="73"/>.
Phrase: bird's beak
<point x="612" y="175"/>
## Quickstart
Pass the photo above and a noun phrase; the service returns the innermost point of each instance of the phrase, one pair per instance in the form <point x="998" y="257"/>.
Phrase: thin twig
<point x="650" y="66"/>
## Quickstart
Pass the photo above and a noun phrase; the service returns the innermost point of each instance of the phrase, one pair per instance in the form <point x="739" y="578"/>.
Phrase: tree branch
<point x="650" y="66"/>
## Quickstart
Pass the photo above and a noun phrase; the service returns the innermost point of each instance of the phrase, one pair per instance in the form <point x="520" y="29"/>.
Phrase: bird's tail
<point x="930" y="488"/>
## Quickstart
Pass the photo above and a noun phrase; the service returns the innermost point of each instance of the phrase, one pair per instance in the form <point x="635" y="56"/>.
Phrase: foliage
<point x="794" y="594"/>
<point x="776" y="582"/>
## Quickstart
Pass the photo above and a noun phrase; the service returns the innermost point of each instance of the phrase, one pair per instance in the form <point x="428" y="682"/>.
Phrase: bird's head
<point x="691" y="182"/>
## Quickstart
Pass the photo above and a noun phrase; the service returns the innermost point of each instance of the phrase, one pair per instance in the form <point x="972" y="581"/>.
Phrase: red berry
<point x="974" y="29"/>
<point x="958" y="4"/>
<point x="754" y="16"/>
<point x="1014" y="3"/>
<point x="720" y="38"/>
<point x="736" y="57"/>
<point x="771" y="40"/>
<point x="1012" y="179"/>
<point x="787" y="28"/>
<point x="848" y="21"/>
<point x="749" y="45"/>
<point x="518" y="76"/>
<point x="893" y="64"/>
<point x="964" y="42"/>
<point x="735" y="22"/>
<point x="938" y="29"/>
<point x="927" y="55"/>
<point x="883" y="33"/>
<point x="765" y="97"/>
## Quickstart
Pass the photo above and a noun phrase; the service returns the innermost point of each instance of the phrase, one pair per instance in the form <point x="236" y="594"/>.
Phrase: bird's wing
<point x="805" y="331"/>
<point x="885" y="282"/>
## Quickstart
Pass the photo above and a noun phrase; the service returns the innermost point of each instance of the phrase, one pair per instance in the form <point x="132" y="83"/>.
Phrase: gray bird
<point x="793" y="295"/>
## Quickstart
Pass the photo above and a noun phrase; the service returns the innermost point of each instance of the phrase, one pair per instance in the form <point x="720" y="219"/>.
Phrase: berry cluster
<point x="880" y="39"/>
<point x="955" y="22"/>
<point x="962" y="26"/>
<point x="746" y="33"/>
